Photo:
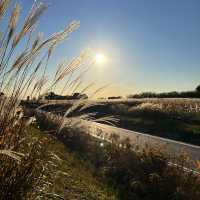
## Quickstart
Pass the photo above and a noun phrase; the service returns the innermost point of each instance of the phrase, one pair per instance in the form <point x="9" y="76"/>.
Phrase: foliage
<point x="198" y="88"/>
<point x="24" y="58"/>
<point x="141" y="174"/>
<point x="27" y="178"/>
<point x="187" y="94"/>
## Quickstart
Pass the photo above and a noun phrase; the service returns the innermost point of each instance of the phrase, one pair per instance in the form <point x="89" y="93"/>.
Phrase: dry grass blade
<point x="78" y="78"/>
<point x="108" y="120"/>
<point x="20" y="61"/>
<point x="60" y="68"/>
<point x="53" y="195"/>
<point x="88" y="104"/>
<point x="41" y="83"/>
<point x="3" y="7"/>
<point x="76" y="86"/>
<point x="69" y="29"/>
<point x="66" y="69"/>
<point x="30" y="21"/>
<point x="13" y="20"/>
<point x="99" y="90"/>
<point x="87" y="87"/>
<point x="75" y="106"/>
<point x="37" y="41"/>
<point x="75" y="121"/>
<point x="38" y="66"/>
<point x="53" y="155"/>
<point x="59" y="36"/>
<point x="15" y="155"/>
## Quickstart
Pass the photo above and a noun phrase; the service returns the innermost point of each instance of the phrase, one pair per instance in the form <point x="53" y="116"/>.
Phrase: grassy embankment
<point x="142" y="174"/>
<point x="74" y="181"/>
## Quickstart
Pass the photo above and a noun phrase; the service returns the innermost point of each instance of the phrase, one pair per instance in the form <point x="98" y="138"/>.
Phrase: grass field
<point x="177" y="119"/>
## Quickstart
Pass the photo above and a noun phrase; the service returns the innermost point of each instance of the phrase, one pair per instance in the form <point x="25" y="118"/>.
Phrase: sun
<point x="100" y="58"/>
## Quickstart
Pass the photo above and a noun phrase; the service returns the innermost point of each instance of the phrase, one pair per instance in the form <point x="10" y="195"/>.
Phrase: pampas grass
<point x="3" y="7"/>
<point x="24" y="58"/>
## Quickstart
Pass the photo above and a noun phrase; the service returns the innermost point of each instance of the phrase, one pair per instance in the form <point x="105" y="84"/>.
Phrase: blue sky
<point x="151" y="45"/>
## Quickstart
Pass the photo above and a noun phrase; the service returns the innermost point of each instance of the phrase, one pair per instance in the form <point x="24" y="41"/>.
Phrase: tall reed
<point x="24" y="59"/>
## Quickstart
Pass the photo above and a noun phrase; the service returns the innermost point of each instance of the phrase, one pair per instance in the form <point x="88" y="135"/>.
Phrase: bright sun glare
<point x="100" y="58"/>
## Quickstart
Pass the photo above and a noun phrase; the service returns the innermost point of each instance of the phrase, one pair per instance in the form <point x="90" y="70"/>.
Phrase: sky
<point x="150" y="45"/>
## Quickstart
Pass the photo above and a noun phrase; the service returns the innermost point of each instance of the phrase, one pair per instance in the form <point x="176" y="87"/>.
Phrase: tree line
<point x="174" y="94"/>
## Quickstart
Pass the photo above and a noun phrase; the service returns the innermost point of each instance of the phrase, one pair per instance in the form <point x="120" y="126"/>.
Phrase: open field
<point x="176" y="119"/>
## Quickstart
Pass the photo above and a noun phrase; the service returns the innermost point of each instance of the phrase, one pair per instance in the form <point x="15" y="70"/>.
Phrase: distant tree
<point x="198" y="88"/>
<point x="78" y="95"/>
<point x="184" y="94"/>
